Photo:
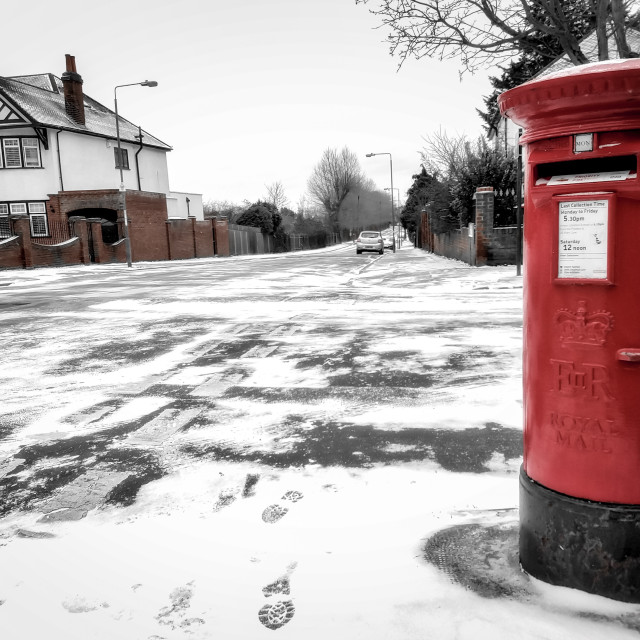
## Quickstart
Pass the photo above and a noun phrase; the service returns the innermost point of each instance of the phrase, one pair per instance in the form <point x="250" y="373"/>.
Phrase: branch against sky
<point x="331" y="180"/>
<point x="484" y="33"/>
<point x="276" y="195"/>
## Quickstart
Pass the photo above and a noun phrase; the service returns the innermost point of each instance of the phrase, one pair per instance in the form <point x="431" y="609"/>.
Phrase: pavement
<point x="314" y="443"/>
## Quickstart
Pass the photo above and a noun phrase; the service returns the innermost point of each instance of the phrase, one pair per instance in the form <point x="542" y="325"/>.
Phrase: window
<point x="5" y="227"/>
<point x="18" y="207"/>
<point x="18" y="153"/>
<point x="38" y="219"/>
<point x="11" y="149"/>
<point x="31" y="152"/>
<point x="37" y="207"/>
<point x="124" y="156"/>
<point x="38" y="222"/>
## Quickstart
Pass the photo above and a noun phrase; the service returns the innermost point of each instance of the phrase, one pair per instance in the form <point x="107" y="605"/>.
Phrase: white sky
<point x="250" y="92"/>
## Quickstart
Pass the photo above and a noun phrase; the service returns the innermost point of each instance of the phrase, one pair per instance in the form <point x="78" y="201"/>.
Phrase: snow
<point x="192" y="555"/>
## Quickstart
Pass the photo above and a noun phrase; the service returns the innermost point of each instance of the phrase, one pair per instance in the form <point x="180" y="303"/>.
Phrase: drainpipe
<point x="137" y="152"/>
<point x="58" y="132"/>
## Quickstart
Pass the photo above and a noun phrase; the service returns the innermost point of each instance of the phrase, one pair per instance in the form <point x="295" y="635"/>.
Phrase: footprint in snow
<point x="275" y="512"/>
<point x="277" y="614"/>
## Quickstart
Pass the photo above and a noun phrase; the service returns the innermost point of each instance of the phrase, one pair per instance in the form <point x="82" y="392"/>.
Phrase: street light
<point x="393" y="214"/>
<point x="127" y="242"/>
<point x="393" y="190"/>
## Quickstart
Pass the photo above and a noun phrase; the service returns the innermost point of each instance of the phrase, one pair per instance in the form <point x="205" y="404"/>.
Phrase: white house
<point x="55" y="141"/>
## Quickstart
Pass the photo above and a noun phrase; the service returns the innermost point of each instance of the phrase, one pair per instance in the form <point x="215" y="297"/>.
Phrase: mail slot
<point x="580" y="479"/>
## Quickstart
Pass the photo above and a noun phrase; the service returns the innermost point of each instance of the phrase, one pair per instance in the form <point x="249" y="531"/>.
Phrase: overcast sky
<point x="250" y="91"/>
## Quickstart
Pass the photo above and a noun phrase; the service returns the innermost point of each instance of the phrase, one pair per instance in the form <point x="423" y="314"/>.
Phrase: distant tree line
<point x="340" y="200"/>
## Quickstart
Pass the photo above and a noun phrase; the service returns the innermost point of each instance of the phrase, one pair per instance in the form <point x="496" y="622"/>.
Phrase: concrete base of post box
<point x="591" y="546"/>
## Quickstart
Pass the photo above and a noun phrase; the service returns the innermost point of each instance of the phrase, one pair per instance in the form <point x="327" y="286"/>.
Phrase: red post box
<point x="580" y="481"/>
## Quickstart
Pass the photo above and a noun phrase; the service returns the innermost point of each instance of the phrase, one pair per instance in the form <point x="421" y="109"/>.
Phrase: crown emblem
<point x="580" y="327"/>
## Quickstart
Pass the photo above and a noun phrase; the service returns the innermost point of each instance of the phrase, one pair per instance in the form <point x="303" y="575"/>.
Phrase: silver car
<point x="370" y="241"/>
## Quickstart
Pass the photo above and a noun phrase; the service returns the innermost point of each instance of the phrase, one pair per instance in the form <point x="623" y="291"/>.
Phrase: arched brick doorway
<point x="110" y="228"/>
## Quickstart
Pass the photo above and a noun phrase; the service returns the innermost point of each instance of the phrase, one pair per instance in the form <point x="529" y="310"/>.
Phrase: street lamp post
<point x="393" y="214"/>
<point x="393" y="191"/>
<point x="127" y="242"/>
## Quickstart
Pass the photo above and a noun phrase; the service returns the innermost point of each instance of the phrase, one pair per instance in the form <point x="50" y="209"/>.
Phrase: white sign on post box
<point x="579" y="178"/>
<point x="583" y="142"/>
<point x="582" y="239"/>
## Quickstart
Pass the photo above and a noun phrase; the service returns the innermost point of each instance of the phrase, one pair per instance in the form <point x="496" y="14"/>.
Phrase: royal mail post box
<point x="580" y="481"/>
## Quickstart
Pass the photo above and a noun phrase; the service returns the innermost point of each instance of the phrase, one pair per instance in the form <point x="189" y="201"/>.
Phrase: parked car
<point x="370" y="241"/>
<point x="388" y="242"/>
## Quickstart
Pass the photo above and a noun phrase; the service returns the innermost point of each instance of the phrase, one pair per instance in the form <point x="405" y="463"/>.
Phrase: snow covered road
<point x="224" y="448"/>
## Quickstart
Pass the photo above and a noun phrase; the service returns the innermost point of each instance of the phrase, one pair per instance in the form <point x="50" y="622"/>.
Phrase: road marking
<point x="217" y="385"/>
<point x="260" y="351"/>
<point x="161" y="427"/>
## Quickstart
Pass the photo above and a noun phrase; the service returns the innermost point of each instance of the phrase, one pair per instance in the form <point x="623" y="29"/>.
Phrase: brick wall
<point x="221" y="231"/>
<point x="487" y="245"/>
<point x="494" y="245"/>
<point x="152" y="236"/>
<point x="11" y="253"/>
<point x="147" y="214"/>
<point x="203" y="238"/>
<point x="180" y="238"/>
<point x="456" y="244"/>
<point x="105" y="253"/>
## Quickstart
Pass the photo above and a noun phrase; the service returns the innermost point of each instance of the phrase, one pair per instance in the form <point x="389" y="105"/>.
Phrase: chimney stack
<point x="73" y="95"/>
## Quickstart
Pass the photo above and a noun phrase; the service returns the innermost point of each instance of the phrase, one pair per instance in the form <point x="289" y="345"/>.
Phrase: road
<point x="86" y="347"/>
<point x="228" y="447"/>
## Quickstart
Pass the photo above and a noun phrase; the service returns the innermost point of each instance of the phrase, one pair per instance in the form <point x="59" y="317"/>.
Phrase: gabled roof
<point x="41" y="99"/>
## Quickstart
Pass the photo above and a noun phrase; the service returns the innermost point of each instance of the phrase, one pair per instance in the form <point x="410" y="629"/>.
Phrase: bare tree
<point x="276" y="195"/>
<point x="337" y="174"/>
<point x="489" y="32"/>
<point x="443" y="154"/>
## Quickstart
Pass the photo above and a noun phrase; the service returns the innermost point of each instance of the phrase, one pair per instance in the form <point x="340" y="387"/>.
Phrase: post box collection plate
<point x="583" y="231"/>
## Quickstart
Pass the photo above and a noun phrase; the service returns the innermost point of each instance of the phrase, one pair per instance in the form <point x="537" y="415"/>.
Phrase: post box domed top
<point x="601" y="96"/>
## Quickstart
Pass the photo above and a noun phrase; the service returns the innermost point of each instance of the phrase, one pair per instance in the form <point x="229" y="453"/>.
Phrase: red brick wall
<point x="152" y="236"/>
<point x="221" y="230"/>
<point x="147" y="213"/>
<point x="105" y="253"/>
<point x="203" y="232"/>
<point x="11" y="254"/>
<point x="180" y="238"/>
<point x="57" y="255"/>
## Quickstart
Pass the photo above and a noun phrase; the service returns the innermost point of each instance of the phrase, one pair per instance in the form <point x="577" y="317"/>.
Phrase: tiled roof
<point x="589" y="46"/>
<point x="41" y="99"/>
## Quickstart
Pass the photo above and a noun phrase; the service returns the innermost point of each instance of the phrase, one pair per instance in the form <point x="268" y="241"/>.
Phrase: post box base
<point x="591" y="546"/>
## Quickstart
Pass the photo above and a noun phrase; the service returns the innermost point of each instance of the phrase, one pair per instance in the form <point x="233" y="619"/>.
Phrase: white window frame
<point x="18" y="208"/>
<point x="28" y="145"/>
<point x="4" y="219"/>
<point x="9" y="142"/>
<point x="38" y="215"/>
<point x="35" y="218"/>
